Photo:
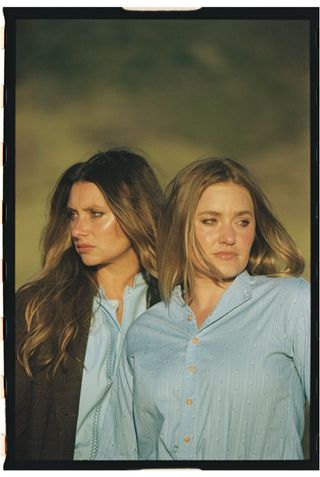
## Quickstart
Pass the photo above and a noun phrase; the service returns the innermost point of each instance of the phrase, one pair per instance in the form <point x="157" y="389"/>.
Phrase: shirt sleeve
<point x="301" y="318"/>
<point x="118" y="436"/>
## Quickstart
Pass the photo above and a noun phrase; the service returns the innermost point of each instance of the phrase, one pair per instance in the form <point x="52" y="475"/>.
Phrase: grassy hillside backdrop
<point x="175" y="89"/>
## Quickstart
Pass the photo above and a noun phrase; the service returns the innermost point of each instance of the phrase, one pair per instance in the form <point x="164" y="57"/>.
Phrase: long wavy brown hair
<point x="273" y="253"/>
<point x="58" y="302"/>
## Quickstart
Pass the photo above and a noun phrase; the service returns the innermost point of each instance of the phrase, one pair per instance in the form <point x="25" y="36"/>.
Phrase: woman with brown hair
<point x="219" y="370"/>
<point x="99" y="273"/>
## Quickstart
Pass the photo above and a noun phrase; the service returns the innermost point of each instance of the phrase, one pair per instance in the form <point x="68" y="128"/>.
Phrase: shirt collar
<point x="101" y="297"/>
<point x="138" y="280"/>
<point x="237" y="293"/>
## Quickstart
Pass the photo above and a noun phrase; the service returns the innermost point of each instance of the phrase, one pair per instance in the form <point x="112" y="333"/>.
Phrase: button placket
<point x="191" y="379"/>
<point x="192" y="369"/>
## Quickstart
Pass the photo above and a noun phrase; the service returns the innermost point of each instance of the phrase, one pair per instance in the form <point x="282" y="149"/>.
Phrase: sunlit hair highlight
<point x="273" y="253"/>
<point x="58" y="302"/>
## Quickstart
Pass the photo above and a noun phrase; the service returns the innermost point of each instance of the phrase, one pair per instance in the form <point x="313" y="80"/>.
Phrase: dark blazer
<point x="46" y="412"/>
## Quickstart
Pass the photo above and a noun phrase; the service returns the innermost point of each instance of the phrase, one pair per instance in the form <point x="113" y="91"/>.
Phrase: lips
<point x="82" y="248"/>
<point x="225" y="255"/>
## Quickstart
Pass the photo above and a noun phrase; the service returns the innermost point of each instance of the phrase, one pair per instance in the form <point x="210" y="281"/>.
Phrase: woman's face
<point x="95" y="232"/>
<point x="225" y="227"/>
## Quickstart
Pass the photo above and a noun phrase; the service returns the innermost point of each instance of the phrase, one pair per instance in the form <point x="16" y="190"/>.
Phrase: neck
<point x="206" y="296"/>
<point x="115" y="277"/>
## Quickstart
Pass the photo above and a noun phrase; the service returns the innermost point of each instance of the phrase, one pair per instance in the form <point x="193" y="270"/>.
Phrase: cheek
<point x="112" y="237"/>
<point x="121" y="235"/>
<point x="204" y="236"/>
<point x="107" y="229"/>
<point x="247" y="240"/>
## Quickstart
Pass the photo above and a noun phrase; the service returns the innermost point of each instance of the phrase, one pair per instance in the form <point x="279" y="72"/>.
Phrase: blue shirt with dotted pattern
<point x="233" y="389"/>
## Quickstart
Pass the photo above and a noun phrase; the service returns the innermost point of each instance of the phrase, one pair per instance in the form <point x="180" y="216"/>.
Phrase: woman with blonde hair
<point x="99" y="273"/>
<point x="219" y="370"/>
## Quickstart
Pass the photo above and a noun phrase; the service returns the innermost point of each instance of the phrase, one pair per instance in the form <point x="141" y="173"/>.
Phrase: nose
<point x="227" y="234"/>
<point x="79" y="228"/>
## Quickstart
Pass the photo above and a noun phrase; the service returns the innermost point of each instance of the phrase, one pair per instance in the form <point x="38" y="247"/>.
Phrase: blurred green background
<point x="176" y="90"/>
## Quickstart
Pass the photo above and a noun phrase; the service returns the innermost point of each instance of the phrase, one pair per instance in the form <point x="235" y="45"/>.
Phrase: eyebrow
<point x="87" y="209"/>
<point x="213" y="212"/>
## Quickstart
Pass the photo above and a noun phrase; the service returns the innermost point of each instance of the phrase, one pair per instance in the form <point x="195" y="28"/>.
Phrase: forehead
<point x="85" y="193"/>
<point x="225" y="195"/>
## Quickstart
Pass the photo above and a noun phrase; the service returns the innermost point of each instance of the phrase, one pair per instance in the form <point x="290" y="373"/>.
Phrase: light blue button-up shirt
<point x="232" y="389"/>
<point x="101" y="360"/>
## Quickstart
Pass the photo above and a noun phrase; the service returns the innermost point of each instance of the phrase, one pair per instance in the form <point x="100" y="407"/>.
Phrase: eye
<point x="96" y="213"/>
<point x="244" y="222"/>
<point x="210" y="221"/>
<point x="70" y="214"/>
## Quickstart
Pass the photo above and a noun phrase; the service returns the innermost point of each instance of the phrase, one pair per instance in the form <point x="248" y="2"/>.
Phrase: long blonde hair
<point x="57" y="303"/>
<point x="273" y="253"/>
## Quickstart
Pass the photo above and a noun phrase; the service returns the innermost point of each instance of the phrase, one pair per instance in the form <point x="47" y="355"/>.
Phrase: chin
<point x="89" y="263"/>
<point x="230" y="274"/>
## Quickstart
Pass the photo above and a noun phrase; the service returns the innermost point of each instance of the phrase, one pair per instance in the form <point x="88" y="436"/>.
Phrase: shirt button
<point x="192" y="369"/>
<point x="189" y="401"/>
<point x="187" y="439"/>
<point x="195" y="340"/>
<point x="190" y="318"/>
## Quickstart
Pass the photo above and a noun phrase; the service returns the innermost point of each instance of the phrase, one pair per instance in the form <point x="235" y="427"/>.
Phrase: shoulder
<point x="154" y="318"/>
<point x="144" y="329"/>
<point x="25" y="294"/>
<point x="23" y="297"/>
<point x="288" y="297"/>
<point x="287" y="300"/>
<point x="151" y="315"/>
<point x="281" y="285"/>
